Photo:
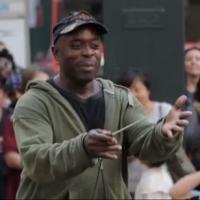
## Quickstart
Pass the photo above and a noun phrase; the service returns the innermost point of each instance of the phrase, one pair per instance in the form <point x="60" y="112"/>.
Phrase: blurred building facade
<point x="14" y="32"/>
<point x="192" y="19"/>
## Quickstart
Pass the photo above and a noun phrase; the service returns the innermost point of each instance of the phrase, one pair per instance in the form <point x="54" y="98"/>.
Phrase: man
<point x="68" y="128"/>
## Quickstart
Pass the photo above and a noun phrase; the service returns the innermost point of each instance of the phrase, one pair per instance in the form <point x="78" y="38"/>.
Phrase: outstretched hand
<point x="177" y="119"/>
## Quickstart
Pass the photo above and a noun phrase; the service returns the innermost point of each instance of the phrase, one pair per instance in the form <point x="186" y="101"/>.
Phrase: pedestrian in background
<point x="7" y="64"/>
<point x="4" y="113"/>
<point x="16" y="85"/>
<point x="192" y="70"/>
<point x="192" y="132"/>
<point x="7" y="70"/>
<point x="139" y="84"/>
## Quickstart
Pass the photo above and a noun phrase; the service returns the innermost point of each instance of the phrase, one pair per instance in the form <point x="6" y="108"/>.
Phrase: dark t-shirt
<point x="91" y="110"/>
<point x="190" y="96"/>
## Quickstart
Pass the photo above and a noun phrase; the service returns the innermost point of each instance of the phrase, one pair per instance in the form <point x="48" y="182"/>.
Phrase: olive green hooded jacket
<point x="50" y="136"/>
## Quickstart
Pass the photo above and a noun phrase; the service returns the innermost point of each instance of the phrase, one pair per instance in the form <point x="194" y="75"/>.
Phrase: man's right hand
<point x="100" y="143"/>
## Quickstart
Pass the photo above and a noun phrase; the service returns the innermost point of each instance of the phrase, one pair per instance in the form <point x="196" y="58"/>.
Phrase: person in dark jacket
<point x="192" y="132"/>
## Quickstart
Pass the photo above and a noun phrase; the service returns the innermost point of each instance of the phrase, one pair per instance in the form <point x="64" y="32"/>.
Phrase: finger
<point x="102" y="138"/>
<point x="177" y="129"/>
<point x="103" y="131"/>
<point x="96" y="149"/>
<point x="169" y="134"/>
<point x="108" y="155"/>
<point x="114" y="152"/>
<point x="106" y="132"/>
<point x="185" y="114"/>
<point x="180" y="102"/>
<point x="182" y="123"/>
<point x="115" y="148"/>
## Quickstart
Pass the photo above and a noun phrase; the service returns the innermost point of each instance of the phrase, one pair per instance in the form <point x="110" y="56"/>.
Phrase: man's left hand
<point x="176" y="120"/>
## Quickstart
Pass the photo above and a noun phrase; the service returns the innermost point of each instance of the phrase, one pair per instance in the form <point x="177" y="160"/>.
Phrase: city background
<point x="148" y="34"/>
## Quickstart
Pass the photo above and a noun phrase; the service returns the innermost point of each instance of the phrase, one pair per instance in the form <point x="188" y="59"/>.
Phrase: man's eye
<point x="95" y="45"/>
<point x="76" y="45"/>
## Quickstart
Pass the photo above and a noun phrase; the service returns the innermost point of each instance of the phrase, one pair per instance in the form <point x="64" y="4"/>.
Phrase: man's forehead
<point x="83" y="33"/>
<point x="86" y="29"/>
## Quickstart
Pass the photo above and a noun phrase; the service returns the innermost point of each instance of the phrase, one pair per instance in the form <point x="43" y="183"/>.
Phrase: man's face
<point x="79" y="54"/>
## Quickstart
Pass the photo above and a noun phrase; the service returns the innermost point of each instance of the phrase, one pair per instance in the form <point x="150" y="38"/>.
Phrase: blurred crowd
<point x="13" y="82"/>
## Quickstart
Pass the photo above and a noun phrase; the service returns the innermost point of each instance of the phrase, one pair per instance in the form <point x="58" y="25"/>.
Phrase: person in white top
<point x="155" y="183"/>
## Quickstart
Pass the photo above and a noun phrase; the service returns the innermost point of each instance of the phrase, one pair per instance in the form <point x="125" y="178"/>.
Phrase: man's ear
<point x="54" y="50"/>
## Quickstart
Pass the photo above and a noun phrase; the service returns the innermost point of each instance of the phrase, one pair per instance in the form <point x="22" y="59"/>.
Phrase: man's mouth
<point x="87" y="66"/>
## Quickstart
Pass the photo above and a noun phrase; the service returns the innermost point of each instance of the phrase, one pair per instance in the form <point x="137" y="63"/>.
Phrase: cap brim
<point x="100" y="27"/>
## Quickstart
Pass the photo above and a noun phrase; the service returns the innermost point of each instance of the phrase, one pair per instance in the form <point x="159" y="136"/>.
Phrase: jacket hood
<point x="108" y="86"/>
<point x="41" y="85"/>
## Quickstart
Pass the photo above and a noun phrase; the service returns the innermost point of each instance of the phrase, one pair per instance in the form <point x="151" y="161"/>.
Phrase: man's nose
<point x="87" y="51"/>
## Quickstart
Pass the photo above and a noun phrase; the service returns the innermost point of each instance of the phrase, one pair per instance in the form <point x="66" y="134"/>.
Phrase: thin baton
<point x="122" y="129"/>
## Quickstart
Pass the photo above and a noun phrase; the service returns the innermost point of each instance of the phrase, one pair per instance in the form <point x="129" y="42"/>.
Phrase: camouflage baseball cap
<point x="74" y="20"/>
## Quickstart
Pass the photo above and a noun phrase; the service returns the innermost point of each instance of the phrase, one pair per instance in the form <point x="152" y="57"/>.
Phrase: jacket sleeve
<point x="145" y="139"/>
<point x="180" y="165"/>
<point x="43" y="160"/>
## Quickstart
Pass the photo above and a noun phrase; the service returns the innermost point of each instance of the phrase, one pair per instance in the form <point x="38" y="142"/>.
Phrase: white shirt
<point x="160" y="110"/>
<point x="155" y="183"/>
<point x="136" y="168"/>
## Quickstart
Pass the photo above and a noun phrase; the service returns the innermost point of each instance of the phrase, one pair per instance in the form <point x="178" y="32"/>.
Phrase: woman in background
<point x="192" y="132"/>
<point x="139" y="84"/>
<point x="192" y="70"/>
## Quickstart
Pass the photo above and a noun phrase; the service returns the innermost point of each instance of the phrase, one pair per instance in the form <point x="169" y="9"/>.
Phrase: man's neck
<point x="82" y="90"/>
